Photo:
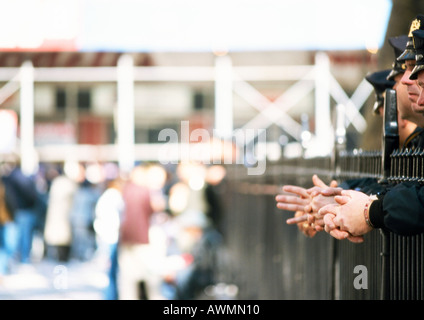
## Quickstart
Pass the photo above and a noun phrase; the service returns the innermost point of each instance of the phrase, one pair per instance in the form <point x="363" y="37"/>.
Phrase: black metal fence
<point x="272" y="260"/>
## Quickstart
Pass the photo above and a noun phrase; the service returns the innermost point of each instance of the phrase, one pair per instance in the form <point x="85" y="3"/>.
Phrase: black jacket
<point x="22" y="193"/>
<point x="400" y="209"/>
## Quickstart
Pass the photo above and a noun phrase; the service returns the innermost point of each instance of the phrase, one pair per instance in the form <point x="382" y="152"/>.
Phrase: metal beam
<point x="125" y="113"/>
<point x="29" y="161"/>
<point x="223" y="97"/>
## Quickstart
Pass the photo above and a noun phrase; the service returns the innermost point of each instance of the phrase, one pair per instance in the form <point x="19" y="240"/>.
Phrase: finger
<point x="291" y="203"/>
<point x="342" y="199"/>
<point x="291" y="199"/>
<point x="348" y="193"/>
<point x="299" y="227"/>
<point x="319" y="228"/>
<point x="314" y="191"/>
<point x="319" y="222"/>
<point x="296" y="190"/>
<point x="331" y="191"/>
<point x="310" y="190"/>
<point x="308" y="208"/>
<point x="329" y="222"/>
<point x="338" y="234"/>
<point x="333" y="184"/>
<point x="290" y="207"/>
<point x="295" y="220"/>
<point x="329" y="208"/>
<point x="318" y="182"/>
<point x="307" y="229"/>
<point x="355" y="239"/>
<point x="311" y="218"/>
<point x="311" y="232"/>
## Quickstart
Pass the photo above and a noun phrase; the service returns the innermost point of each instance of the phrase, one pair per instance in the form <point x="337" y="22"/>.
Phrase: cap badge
<point x="415" y="25"/>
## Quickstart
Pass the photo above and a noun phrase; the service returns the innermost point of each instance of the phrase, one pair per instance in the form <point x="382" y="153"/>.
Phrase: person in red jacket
<point x="134" y="250"/>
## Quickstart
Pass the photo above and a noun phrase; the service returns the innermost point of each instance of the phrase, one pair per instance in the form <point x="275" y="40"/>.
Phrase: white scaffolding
<point x="228" y="80"/>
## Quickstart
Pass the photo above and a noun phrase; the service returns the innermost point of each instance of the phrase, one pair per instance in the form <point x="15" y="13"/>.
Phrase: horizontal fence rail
<point x="273" y="260"/>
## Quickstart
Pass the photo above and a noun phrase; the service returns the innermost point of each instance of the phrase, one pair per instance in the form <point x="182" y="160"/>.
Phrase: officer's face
<point x="420" y="83"/>
<point x="403" y="102"/>
<point x="412" y="87"/>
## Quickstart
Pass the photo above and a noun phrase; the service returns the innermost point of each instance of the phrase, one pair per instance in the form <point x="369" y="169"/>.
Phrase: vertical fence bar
<point x="29" y="161"/>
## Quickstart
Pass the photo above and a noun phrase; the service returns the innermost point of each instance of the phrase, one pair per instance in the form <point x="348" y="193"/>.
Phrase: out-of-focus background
<point x="91" y="90"/>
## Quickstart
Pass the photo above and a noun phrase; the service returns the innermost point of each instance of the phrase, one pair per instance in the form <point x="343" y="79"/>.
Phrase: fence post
<point x="339" y="147"/>
<point x="390" y="143"/>
<point x="390" y="132"/>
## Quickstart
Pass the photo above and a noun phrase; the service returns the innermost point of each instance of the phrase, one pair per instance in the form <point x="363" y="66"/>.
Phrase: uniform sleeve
<point x="356" y="184"/>
<point x="366" y="185"/>
<point x="400" y="210"/>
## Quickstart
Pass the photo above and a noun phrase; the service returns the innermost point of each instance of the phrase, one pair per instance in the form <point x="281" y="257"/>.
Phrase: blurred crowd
<point x="155" y="230"/>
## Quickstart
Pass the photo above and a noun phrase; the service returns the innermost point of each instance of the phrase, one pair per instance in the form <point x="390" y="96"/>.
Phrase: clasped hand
<point x="306" y="203"/>
<point x="345" y="220"/>
<point x="329" y="208"/>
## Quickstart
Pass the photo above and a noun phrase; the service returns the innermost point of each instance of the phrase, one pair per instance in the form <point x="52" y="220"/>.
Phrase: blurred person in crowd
<point x="215" y="175"/>
<point x="134" y="250"/>
<point x="23" y="196"/>
<point x="189" y="192"/>
<point x="108" y="214"/>
<point x="171" y="180"/>
<point x="82" y="218"/>
<point x="8" y="230"/>
<point x="42" y="187"/>
<point x="193" y="267"/>
<point x="57" y="229"/>
<point x="156" y="180"/>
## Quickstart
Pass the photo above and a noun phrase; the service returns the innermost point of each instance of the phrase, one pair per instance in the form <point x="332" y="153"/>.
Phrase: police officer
<point x="409" y="131"/>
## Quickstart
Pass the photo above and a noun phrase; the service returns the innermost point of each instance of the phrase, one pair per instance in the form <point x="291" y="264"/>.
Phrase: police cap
<point x="419" y="53"/>
<point x="409" y="53"/>
<point x="399" y="44"/>
<point x="380" y="83"/>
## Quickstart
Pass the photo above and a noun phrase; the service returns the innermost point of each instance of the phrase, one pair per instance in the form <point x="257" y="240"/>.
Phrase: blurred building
<point x="83" y="90"/>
